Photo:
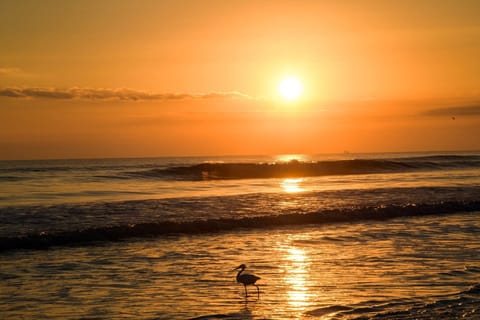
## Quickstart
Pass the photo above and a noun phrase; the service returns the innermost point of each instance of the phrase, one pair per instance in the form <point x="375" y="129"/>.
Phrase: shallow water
<point x="335" y="271"/>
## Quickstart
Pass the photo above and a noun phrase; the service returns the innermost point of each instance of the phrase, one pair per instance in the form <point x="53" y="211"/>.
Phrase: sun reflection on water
<point x="296" y="254"/>
<point x="296" y="278"/>
<point x="291" y="157"/>
<point x="290" y="185"/>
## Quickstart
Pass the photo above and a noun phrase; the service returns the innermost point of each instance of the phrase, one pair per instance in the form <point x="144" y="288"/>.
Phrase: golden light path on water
<point x="291" y="185"/>
<point x="298" y="294"/>
<point x="296" y="274"/>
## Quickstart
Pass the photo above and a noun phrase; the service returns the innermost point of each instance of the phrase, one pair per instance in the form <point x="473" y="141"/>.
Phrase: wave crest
<point x="161" y="228"/>
<point x="297" y="169"/>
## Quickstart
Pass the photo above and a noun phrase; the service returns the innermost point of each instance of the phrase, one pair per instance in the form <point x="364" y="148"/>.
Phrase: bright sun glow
<point x="290" y="88"/>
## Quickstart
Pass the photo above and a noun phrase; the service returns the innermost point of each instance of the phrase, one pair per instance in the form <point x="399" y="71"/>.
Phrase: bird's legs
<point x="246" y="291"/>
<point x="258" y="291"/>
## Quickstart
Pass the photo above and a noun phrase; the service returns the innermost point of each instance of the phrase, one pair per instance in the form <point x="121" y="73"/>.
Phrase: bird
<point x="247" y="279"/>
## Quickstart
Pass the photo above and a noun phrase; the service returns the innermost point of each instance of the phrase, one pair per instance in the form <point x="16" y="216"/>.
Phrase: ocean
<point x="347" y="236"/>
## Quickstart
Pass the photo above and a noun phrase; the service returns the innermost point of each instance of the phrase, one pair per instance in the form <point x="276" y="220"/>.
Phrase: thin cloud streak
<point x="124" y="94"/>
<point x="472" y="110"/>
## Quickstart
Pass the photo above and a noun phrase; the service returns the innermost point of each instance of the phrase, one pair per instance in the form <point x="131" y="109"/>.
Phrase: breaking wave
<point x="296" y="168"/>
<point x="162" y="228"/>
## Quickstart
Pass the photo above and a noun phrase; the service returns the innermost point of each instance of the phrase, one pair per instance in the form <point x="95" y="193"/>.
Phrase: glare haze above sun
<point x="290" y="88"/>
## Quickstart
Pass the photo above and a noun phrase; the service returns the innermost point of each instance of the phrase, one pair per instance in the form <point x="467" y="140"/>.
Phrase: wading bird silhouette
<point x="246" y="279"/>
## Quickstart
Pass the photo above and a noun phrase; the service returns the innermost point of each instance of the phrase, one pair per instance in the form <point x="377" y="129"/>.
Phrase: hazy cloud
<point x="111" y="94"/>
<point x="471" y="110"/>
<point x="8" y="71"/>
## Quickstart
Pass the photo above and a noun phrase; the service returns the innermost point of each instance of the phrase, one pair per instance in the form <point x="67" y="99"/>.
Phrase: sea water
<point x="383" y="236"/>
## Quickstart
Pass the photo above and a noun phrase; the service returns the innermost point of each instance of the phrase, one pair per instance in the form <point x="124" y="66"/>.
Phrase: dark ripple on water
<point x="462" y="305"/>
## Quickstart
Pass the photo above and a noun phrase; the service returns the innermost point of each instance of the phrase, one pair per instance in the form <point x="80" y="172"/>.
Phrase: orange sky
<point x="162" y="78"/>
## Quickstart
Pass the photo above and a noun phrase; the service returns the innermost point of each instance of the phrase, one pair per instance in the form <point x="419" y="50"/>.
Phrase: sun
<point x="290" y="88"/>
